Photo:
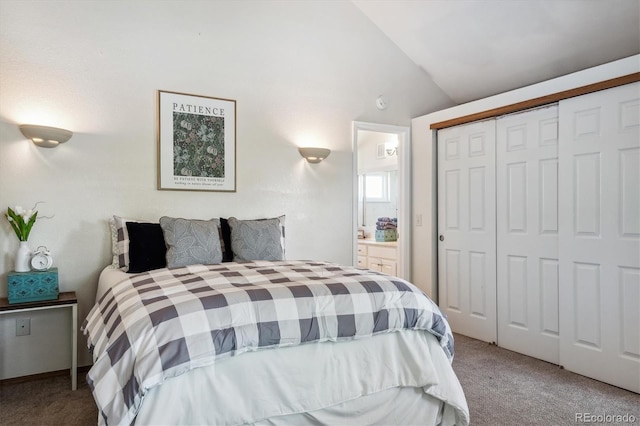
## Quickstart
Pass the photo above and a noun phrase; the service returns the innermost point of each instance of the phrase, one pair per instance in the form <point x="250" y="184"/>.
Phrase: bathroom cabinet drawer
<point x="382" y="252"/>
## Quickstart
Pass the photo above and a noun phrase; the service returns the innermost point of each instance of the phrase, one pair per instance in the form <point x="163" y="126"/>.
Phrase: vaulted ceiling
<point x="477" y="48"/>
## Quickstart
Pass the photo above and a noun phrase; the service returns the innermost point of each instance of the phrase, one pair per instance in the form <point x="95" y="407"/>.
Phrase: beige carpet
<point x="506" y="388"/>
<point x="502" y="388"/>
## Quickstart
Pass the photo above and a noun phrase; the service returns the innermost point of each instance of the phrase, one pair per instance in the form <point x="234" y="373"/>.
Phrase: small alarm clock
<point x="41" y="259"/>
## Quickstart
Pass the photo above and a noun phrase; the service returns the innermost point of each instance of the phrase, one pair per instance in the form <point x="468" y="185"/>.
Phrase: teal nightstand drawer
<point x="33" y="286"/>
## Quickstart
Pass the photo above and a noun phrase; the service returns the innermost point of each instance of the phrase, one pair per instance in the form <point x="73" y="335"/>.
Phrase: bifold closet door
<point x="600" y="235"/>
<point x="527" y="232"/>
<point x="466" y="228"/>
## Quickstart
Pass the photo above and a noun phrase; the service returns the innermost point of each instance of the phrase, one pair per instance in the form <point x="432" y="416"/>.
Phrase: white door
<point x="466" y="228"/>
<point x="527" y="232"/>
<point x="599" y="237"/>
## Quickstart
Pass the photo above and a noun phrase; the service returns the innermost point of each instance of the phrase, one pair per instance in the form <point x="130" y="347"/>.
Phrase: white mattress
<point x="392" y="378"/>
<point x="108" y="277"/>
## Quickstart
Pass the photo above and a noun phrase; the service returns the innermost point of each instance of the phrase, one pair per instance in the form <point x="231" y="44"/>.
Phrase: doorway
<point x="381" y="164"/>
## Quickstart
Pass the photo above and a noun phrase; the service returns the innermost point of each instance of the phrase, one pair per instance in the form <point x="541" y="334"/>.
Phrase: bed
<point x="264" y="341"/>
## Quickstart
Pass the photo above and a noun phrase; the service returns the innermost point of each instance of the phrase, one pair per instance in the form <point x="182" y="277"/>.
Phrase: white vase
<point x="23" y="257"/>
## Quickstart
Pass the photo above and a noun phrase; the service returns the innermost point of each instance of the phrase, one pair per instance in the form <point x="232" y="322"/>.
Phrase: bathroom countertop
<point x="372" y="241"/>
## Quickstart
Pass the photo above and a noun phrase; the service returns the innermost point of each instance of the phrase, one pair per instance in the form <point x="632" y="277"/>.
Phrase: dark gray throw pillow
<point x="261" y="239"/>
<point x="191" y="242"/>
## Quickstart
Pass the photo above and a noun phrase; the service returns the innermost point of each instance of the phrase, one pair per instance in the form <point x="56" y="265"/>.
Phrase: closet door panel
<point x="549" y="309"/>
<point x="629" y="193"/>
<point x="466" y="227"/>
<point x="630" y="312"/>
<point x="548" y="196"/>
<point x="527" y="232"/>
<point x="600" y="235"/>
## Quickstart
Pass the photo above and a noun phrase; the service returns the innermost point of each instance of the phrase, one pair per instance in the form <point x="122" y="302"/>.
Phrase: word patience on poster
<point x="196" y="142"/>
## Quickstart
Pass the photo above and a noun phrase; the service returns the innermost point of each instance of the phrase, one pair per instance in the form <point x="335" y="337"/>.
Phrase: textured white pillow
<point x="114" y="243"/>
<point x="121" y="235"/>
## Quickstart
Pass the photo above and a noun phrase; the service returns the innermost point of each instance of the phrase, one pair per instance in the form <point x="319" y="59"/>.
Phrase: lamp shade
<point x="314" y="155"/>
<point x="45" y="136"/>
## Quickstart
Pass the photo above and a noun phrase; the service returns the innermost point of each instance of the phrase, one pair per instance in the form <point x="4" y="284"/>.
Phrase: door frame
<point x="404" y="191"/>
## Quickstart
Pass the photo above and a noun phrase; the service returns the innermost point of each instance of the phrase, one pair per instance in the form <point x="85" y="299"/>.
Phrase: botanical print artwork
<point x="198" y="145"/>
<point x="196" y="142"/>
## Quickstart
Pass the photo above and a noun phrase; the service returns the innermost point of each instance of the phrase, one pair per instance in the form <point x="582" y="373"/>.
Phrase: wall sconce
<point x="391" y="149"/>
<point x="387" y="149"/>
<point x="44" y="136"/>
<point x="314" y="155"/>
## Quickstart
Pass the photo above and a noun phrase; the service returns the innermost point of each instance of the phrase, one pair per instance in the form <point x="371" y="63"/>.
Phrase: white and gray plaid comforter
<point x="160" y="324"/>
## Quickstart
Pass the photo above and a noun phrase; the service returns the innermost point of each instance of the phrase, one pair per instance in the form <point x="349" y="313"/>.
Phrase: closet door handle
<point x="441" y="237"/>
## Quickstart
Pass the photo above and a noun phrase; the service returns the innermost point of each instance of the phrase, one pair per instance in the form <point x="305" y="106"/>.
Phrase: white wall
<point x="368" y="160"/>
<point x="299" y="71"/>
<point x="424" y="196"/>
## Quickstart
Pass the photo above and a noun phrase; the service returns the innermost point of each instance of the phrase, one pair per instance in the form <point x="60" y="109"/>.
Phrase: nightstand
<point x="64" y="300"/>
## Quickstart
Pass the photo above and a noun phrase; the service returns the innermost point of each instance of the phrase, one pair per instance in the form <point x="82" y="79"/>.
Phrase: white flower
<point x="22" y="220"/>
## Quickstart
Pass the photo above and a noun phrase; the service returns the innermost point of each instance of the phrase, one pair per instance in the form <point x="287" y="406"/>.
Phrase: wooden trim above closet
<point x="536" y="102"/>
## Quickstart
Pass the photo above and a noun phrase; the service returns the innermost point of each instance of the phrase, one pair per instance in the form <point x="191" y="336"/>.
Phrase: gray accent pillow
<point x="191" y="242"/>
<point x="260" y="239"/>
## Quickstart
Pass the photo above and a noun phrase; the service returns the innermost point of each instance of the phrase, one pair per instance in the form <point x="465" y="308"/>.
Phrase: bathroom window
<point x="376" y="187"/>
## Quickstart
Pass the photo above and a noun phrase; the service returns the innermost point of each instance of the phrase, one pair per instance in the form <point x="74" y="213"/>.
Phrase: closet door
<point x="527" y="232"/>
<point x="466" y="225"/>
<point x="600" y="235"/>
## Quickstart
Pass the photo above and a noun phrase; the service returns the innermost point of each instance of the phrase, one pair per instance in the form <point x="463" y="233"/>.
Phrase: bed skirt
<point x="400" y="378"/>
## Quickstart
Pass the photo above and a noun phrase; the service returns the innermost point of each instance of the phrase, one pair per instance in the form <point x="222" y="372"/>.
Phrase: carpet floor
<point x="506" y="388"/>
<point x="502" y="388"/>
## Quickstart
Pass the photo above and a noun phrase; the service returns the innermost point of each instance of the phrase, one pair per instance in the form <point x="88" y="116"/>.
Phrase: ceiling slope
<point x="477" y="48"/>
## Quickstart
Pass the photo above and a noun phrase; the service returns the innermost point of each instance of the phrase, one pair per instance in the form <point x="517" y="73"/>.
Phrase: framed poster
<point x="196" y="142"/>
